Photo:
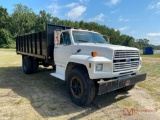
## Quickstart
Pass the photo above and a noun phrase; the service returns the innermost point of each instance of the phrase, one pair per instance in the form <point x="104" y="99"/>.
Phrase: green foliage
<point x="43" y="19"/>
<point x="155" y="47"/>
<point x="128" y="41"/>
<point x="23" y="21"/>
<point x="5" y="38"/>
<point x="4" y="18"/>
<point x="143" y="43"/>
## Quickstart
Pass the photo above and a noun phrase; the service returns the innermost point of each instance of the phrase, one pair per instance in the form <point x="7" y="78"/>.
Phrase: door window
<point x="65" y="38"/>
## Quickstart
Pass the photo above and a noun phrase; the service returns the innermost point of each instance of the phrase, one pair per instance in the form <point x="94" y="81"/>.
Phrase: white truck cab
<point x="88" y="52"/>
<point x="77" y="46"/>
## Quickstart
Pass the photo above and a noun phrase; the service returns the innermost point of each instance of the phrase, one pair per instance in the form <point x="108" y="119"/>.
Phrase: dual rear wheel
<point x="29" y="64"/>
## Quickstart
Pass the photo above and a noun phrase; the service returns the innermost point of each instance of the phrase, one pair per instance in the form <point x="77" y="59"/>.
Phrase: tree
<point x="23" y="20"/>
<point x="5" y="38"/>
<point x="142" y="43"/>
<point x="43" y="19"/>
<point x="55" y="20"/>
<point x="4" y="18"/>
<point x="114" y="37"/>
<point x="76" y="24"/>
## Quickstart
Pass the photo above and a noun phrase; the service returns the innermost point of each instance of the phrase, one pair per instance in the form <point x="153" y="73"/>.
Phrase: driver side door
<point x="64" y="50"/>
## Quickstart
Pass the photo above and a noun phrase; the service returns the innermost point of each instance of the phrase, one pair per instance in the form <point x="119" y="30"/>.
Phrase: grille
<point x="125" y="60"/>
<point x="126" y="54"/>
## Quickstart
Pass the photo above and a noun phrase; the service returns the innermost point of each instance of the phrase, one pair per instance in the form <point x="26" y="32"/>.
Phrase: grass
<point x="8" y="50"/>
<point x="129" y="104"/>
<point x="151" y="65"/>
<point x="151" y="56"/>
<point x="9" y="58"/>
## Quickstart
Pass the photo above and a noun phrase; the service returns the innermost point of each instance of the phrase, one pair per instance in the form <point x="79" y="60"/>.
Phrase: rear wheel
<point x="45" y="65"/>
<point x="127" y="88"/>
<point x="35" y="65"/>
<point x="54" y="67"/>
<point x="27" y="64"/>
<point x="81" y="88"/>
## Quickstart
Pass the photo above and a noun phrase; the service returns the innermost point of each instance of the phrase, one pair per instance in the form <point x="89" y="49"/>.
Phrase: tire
<point x="45" y="65"/>
<point x="35" y="65"/>
<point x="27" y="64"/>
<point x="81" y="89"/>
<point x="125" y="89"/>
<point x="54" y="67"/>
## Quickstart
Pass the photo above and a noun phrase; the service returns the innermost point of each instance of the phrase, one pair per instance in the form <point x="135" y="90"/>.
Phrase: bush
<point x="6" y="40"/>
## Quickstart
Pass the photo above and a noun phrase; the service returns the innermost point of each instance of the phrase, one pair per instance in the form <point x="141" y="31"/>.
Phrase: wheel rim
<point x="76" y="87"/>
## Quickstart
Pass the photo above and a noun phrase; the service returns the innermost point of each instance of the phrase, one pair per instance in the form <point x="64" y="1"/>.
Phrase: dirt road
<point x="41" y="96"/>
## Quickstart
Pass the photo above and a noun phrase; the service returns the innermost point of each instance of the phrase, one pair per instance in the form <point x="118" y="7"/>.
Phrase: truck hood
<point x="109" y="46"/>
<point x="105" y="50"/>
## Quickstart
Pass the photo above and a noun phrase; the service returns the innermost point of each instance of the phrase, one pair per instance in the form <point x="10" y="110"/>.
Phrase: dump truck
<point x="84" y="59"/>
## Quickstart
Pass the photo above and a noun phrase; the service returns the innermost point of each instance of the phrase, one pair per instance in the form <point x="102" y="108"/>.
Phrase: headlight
<point x="99" y="67"/>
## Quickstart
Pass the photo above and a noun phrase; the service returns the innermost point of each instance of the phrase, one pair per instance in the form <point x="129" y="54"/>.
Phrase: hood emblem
<point x="128" y="60"/>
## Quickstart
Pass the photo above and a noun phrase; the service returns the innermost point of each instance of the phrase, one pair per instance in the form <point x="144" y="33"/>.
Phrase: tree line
<point x="24" y="21"/>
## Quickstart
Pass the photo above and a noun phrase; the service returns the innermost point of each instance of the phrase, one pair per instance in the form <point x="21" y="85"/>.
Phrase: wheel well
<point x="72" y="65"/>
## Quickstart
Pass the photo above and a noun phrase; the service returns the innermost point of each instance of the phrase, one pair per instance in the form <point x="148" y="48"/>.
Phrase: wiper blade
<point x="82" y="41"/>
<point x="98" y="42"/>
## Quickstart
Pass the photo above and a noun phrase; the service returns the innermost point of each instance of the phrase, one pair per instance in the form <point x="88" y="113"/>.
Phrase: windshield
<point x="87" y="37"/>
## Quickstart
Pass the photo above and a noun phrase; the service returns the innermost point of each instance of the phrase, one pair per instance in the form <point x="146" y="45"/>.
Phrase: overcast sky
<point x="138" y="18"/>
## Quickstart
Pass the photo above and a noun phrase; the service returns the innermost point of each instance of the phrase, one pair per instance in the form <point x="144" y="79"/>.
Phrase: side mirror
<point x="56" y="37"/>
<point x="106" y="38"/>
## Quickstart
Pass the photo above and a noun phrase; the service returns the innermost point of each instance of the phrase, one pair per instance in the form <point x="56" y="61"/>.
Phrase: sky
<point x="137" y="18"/>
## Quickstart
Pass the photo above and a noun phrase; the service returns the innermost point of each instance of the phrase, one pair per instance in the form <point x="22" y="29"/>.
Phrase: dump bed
<point x="40" y="44"/>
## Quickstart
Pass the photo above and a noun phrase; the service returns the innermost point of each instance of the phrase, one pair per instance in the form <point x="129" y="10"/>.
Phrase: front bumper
<point x="111" y="85"/>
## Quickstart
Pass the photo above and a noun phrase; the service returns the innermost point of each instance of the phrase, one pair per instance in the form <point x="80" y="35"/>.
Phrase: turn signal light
<point x="94" y="54"/>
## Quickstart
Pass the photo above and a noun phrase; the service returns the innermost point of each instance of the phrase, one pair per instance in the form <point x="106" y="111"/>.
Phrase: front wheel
<point x="81" y="88"/>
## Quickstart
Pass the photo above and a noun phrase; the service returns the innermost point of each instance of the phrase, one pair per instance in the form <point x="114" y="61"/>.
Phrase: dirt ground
<point x="42" y="97"/>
